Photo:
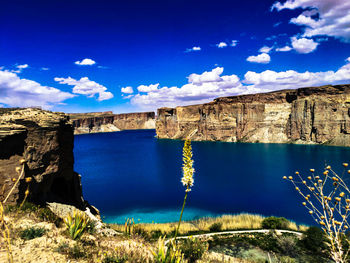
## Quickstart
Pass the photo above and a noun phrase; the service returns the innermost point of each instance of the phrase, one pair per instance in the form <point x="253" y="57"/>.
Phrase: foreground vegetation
<point x="30" y="233"/>
<point x="208" y="225"/>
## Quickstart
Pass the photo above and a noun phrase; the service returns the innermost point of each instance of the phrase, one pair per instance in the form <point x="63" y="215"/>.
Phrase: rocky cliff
<point x="306" y="115"/>
<point x="44" y="140"/>
<point x="109" y="122"/>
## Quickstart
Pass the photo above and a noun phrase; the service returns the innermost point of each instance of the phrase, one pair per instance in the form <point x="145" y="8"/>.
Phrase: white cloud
<point x="193" y="49"/>
<point x="199" y="89"/>
<point x="321" y="17"/>
<point x="128" y="96"/>
<point x="85" y="62"/>
<point x="44" y="69"/>
<point x="17" y="92"/>
<point x="87" y="87"/>
<point x="261" y="58"/>
<point x="22" y="66"/>
<point x="283" y="49"/>
<point x="234" y="43"/>
<point x="291" y="79"/>
<point x="145" y="88"/>
<point x="205" y="87"/>
<point x="221" y="45"/>
<point x="277" y="24"/>
<point x="128" y="90"/>
<point x="265" y="49"/>
<point x="304" y="45"/>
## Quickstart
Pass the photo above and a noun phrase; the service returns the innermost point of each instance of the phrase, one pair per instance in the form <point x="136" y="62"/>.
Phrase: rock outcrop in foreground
<point x="307" y="115"/>
<point x="109" y="122"/>
<point x="45" y="141"/>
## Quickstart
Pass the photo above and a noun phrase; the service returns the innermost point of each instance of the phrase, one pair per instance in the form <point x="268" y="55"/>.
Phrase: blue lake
<point x="132" y="174"/>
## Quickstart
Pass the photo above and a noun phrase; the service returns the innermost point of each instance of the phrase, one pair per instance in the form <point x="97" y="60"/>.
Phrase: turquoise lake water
<point x="132" y="174"/>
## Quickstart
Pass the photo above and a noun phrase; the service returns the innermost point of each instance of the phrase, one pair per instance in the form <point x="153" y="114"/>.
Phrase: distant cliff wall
<point x="45" y="141"/>
<point x="307" y="115"/>
<point x="109" y="122"/>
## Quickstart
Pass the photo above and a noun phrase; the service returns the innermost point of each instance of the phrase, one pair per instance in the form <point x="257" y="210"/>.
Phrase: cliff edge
<point x="45" y="141"/>
<point x="316" y="115"/>
<point x="108" y="122"/>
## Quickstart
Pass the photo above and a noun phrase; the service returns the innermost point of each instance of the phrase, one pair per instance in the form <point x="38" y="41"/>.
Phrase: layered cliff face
<point x="109" y="122"/>
<point x="306" y="115"/>
<point x="45" y="141"/>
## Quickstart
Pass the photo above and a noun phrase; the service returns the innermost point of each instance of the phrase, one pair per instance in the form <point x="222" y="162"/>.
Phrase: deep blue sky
<point x="144" y="42"/>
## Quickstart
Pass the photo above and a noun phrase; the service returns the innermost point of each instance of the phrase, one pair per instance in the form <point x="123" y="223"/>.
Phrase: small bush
<point x="91" y="227"/>
<point x="32" y="232"/>
<point x="314" y="240"/>
<point x="76" y="224"/>
<point x="193" y="249"/>
<point x="273" y="222"/>
<point x="215" y="227"/>
<point x="288" y="245"/>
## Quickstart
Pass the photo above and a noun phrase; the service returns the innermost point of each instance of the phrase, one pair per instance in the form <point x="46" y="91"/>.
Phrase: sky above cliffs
<point x="136" y="55"/>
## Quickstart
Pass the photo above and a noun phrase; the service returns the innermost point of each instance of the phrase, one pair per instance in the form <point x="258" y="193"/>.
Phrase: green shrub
<point x="286" y="259"/>
<point x="273" y="222"/>
<point x="314" y="240"/>
<point x="74" y="252"/>
<point x="215" y="227"/>
<point x="76" y="224"/>
<point x="91" y="227"/>
<point x="32" y="232"/>
<point x="193" y="249"/>
<point x="288" y="245"/>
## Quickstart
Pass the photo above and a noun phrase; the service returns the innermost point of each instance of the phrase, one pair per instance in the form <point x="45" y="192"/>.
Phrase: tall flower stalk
<point x="187" y="177"/>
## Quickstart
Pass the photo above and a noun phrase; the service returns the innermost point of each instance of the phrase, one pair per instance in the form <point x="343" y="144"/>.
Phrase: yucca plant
<point x="129" y="226"/>
<point x="167" y="254"/>
<point x="76" y="224"/>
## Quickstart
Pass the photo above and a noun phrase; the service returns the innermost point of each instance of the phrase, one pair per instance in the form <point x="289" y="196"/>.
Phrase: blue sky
<point x="127" y="56"/>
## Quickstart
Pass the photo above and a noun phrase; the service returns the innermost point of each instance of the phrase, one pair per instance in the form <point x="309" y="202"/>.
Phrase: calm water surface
<point x="133" y="174"/>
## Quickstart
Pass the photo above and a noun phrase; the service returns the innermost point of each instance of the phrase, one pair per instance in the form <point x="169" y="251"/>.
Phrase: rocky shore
<point x="316" y="115"/>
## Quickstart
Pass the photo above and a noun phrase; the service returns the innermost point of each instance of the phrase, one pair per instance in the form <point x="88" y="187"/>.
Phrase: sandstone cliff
<point x="109" y="122"/>
<point x="45" y="141"/>
<point x="306" y="115"/>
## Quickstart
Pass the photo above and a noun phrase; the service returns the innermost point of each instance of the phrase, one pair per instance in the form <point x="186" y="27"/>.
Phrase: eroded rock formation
<point x="45" y="141"/>
<point x="109" y="122"/>
<point x="306" y="115"/>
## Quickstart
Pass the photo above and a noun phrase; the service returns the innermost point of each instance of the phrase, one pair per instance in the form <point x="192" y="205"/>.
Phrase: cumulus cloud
<point x="234" y="43"/>
<point x="128" y="90"/>
<point x="193" y="49"/>
<point x="145" y="88"/>
<point x="262" y="58"/>
<point x="304" y="45"/>
<point x="205" y="87"/>
<point x="265" y="49"/>
<point x="18" y="92"/>
<point x="221" y="45"/>
<point x="87" y="87"/>
<point x="199" y="89"/>
<point x="44" y="69"/>
<point x="283" y="49"/>
<point x="320" y="17"/>
<point x="273" y="80"/>
<point x="85" y="62"/>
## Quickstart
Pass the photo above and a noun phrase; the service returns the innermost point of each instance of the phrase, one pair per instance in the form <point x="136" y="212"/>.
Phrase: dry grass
<point x="228" y="222"/>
